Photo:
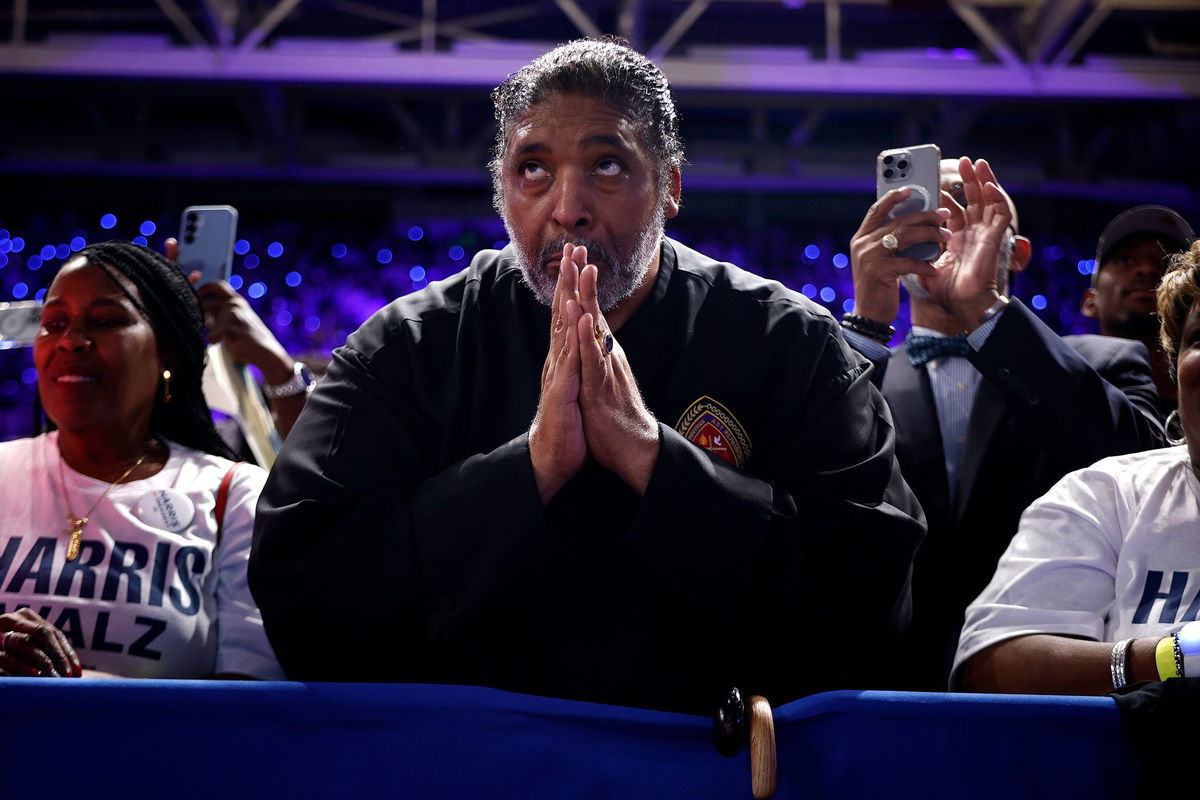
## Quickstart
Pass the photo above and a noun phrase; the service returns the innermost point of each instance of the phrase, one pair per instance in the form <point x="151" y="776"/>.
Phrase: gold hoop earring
<point x="166" y="386"/>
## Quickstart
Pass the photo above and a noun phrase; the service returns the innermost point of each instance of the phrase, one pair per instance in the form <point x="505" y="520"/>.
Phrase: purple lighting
<point x="962" y="54"/>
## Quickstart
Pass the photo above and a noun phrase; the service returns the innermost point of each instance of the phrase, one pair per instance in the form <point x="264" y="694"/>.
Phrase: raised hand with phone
<point x="953" y="290"/>
<point x="206" y="257"/>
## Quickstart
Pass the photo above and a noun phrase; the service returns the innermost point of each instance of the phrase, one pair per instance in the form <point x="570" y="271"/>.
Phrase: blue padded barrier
<point x="225" y="740"/>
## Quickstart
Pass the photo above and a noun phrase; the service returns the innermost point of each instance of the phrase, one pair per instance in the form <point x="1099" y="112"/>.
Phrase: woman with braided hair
<point x="124" y="553"/>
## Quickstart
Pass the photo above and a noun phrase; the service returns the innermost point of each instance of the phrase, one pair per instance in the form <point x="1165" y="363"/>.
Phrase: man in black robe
<point x="480" y="491"/>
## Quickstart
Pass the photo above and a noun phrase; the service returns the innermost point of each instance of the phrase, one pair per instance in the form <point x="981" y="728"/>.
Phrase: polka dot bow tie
<point x="919" y="348"/>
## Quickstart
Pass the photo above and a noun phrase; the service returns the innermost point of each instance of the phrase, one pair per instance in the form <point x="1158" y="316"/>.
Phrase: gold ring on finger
<point x="604" y="338"/>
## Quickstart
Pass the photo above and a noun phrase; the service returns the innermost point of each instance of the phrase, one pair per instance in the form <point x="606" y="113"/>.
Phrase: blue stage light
<point x="250" y="261"/>
<point x="147" y="228"/>
<point x="19" y="290"/>
<point x="456" y="253"/>
<point x="257" y="290"/>
<point x="1052" y="253"/>
<point x="1038" y="301"/>
<point x="311" y="324"/>
<point x="18" y="244"/>
<point x="416" y="274"/>
<point x="108" y="221"/>
<point x="241" y="247"/>
<point x="812" y="252"/>
<point x="283" y="319"/>
<point x="141" y="240"/>
<point x="29" y="375"/>
<point x="1083" y="267"/>
<point x="3" y="261"/>
<point x="236" y="282"/>
<point x="808" y="290"/>
<point x="62" y="251"/>
<point x="848" y="305"/>
<point x="78" y="243"/>
<point x="841" y="260"/>
<point x="4" y="233"/>
<point x="827" y="294"/>
<point x="5" y="245"/>
<point x="40" y="295"/>
<point x="293" y="279"/>
<point x="48" y="252"/>
<point x="416" y="233"/>
<point x="384" y="256"/>
<point x="34" y="262"/>
<point x="339" y="250"/>
<point x="275" y="249"/>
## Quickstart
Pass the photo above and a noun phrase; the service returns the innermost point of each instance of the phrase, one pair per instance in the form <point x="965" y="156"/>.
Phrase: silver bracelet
<point x="301" y="381"/>
<point x="1116" y="664"/>
<point x="994" y="309"/>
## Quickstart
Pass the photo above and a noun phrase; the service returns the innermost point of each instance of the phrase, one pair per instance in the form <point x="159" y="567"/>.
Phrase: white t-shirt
<point x="150" y="594"/>
<point x="1111" y="552"/>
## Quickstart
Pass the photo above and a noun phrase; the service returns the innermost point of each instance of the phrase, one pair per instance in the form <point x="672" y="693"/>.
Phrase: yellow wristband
<point x="1164" y="658"/>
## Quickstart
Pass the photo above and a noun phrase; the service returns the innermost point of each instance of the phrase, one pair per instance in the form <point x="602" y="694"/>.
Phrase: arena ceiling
<point x="1093" y="99"/>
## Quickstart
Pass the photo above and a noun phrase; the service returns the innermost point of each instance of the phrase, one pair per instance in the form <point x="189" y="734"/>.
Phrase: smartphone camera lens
<point x="192" y="217"/>
<point x="888" y="159"/>
<point x="190" y="239"/>
<point x="902" y="164"/>
<point x="887" y="173"/>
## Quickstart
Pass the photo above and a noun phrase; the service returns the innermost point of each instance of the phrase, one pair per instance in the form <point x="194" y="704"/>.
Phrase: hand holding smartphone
<point x="206" y="236"/>
<point x="916" y="169"/>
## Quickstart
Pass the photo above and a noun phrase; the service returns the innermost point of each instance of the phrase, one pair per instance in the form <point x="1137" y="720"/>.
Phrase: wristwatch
<point x="301" y="381"/>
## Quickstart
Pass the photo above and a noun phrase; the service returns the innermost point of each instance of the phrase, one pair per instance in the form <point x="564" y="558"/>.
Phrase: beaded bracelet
<point x="868" y="327"/>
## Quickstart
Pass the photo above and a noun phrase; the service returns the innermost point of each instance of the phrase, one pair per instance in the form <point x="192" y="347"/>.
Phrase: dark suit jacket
<point x="1047" y="405"/>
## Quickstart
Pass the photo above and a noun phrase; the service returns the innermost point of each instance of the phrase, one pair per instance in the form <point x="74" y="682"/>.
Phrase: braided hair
<point x="170" y="305"/>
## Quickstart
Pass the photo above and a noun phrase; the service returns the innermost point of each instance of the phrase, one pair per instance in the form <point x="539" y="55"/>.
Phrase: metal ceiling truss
<point x="405" y="101"/>
<point x="223" y="39"/>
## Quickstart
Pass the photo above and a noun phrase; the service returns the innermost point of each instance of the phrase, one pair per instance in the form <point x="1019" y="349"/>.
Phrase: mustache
<point x="596" y="251"/>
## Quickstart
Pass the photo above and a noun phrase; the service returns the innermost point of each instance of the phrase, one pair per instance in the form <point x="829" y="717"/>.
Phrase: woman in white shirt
<point x="1101" y="585"/>
<point x="124" y="552"/>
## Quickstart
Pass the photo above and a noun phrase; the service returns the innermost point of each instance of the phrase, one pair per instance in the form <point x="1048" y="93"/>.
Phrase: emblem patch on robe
<point x="708" y="424"/>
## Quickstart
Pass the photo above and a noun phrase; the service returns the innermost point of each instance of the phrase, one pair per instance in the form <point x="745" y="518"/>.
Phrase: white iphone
<point x="915" y="168"/>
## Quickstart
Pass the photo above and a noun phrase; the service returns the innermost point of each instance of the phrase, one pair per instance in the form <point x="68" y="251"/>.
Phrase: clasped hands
<point x="590" y="406"/>
<point x="963" y="280"/>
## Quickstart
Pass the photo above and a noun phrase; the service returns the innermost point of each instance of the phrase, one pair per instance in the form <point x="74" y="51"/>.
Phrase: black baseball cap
<point x="1157" y="221"/>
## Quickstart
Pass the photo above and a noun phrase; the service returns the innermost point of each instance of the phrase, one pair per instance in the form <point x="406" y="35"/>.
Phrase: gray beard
<point x="621" y="279"/>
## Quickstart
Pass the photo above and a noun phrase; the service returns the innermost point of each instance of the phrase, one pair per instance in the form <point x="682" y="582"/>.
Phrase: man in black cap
<point x="1131" y="258"/>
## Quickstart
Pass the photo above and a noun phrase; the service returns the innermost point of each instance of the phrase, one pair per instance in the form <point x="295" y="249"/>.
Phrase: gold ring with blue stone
<point x="604" y="339"/>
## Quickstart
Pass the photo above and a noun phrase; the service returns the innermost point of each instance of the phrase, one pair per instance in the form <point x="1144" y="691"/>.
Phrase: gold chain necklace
<point x="77" y="523"/>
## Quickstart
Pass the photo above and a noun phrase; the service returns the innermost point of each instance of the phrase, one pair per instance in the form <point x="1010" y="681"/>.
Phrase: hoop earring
<point x="166" y="386"/>
<point x="1174" y="429"/>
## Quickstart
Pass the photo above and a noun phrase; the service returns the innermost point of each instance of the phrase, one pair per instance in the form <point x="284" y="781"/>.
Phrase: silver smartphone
<point x="19" y="323"/>
<point x="916" y="168"/>
<point x="206" y="236"/>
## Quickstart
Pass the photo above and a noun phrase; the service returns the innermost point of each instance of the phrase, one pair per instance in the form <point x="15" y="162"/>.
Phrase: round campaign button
<point x="166" y="509"/>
